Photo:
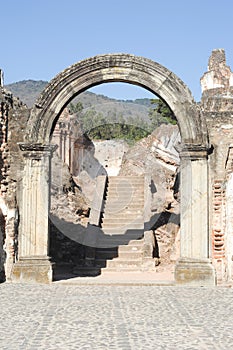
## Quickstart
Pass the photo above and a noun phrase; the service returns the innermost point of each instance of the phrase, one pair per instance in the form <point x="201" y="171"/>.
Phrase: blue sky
<point x="41" y="38"/>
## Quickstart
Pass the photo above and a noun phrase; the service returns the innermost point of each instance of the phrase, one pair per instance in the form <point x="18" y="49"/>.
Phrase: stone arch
<point x="194" y="266"/>
<point x="116" y="68"/>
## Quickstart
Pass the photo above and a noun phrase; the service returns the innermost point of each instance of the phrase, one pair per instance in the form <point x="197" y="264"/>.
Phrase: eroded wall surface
<point x="13" y="119"/>
<point x="217" y="108"/>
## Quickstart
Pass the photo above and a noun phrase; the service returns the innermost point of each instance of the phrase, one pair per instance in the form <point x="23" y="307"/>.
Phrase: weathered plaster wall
<point x="13" y="119"/>
<point x="217" y="108"/>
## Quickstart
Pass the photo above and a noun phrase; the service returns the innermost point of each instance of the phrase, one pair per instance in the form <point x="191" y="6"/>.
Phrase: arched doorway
<point x="194" y="266"/>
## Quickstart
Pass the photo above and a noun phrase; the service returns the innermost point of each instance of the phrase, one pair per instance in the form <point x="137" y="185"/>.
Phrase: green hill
<point x="29" y="90"/>
<point x="102" y="117"/>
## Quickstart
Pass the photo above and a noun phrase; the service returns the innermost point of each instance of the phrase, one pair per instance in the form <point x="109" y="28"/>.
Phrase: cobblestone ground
<point x="115" y="317"/>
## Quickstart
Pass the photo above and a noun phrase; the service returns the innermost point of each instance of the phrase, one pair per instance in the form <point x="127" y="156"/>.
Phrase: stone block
<point x="195" y="272"/>
<point x="32" y="270"/>
<point x="149" y="263"/>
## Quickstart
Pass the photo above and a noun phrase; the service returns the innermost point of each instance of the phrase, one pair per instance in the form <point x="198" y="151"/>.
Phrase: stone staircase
<point x="124" y="205"/>
<point x="120" y="244"/>
<point x="123" y="226"/>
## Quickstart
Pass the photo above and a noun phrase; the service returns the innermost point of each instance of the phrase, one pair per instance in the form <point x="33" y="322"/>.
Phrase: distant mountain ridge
<point x="29" y="90"/>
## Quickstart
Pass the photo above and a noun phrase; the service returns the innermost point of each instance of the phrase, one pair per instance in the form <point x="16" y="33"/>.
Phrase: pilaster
<point x="33" y="262"/>
<point x="194" y="266"/>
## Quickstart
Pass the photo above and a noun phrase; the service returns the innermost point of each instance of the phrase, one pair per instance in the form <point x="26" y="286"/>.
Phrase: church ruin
<point x="205" y="151"/>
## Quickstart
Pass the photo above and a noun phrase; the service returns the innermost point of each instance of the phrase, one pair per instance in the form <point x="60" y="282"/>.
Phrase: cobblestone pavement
<point x="35" y="317"/>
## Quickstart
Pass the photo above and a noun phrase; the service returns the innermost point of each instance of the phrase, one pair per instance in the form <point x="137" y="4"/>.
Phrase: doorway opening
<point x="126" y="139"/>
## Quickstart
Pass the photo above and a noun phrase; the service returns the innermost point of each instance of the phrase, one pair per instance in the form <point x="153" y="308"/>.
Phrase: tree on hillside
<point x="77" y="108"/>
<point x="161" y="113"/>
<point x="111" y="126"/>
<point x="96" y="125"/>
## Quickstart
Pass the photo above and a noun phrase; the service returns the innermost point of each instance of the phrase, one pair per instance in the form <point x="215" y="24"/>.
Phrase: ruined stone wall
<point x="217" y="108"/>
<point x="13" y="118"/>
<point x="65" y="134"/>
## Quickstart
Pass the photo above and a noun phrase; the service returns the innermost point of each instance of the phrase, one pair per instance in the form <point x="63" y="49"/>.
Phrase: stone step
<point x="119" y="263"/>
<point x="135" y="216"/>
<point x="125" y="201"/>
<point x="115" y="241"/>
<point x="130" y="255"/>
<point x="130" y="198"/>
<point x="130" y="269"/>
<point x="120" y="211"/>
<point x="129" y="211"/>
<point x="106" y="253"/>
<point x="132" y="247"/>
<point x="124" y="187"/>
<point x="135" y="224"/>
<point x="128" y="187"/>
<point x="132" y="232"/>
<point x="125" y="178"/>
<point x="125" y="196"/>
<point x="132" y="179"/>
<point x="122" y="221"/>
<point x="126" y="183"/>
<point x="84" y="271"/>
<point x="136" y="242"/>
<point x="122" y="225"/>
<point x="132" y="202"/>
<point x="121" y="207"/>
<point x="130" y="216"/>
<point x="124" y="192"/>
<point x="101" y="263"/>
<point x="121" y="233"/>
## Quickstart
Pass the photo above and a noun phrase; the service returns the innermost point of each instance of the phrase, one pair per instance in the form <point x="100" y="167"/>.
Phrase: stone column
<point x="33" y="262"/>
<point x="194" y="266"/>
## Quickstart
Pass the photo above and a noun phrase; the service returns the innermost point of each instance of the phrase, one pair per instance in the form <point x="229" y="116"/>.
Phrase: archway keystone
<point x="194" y="266"/>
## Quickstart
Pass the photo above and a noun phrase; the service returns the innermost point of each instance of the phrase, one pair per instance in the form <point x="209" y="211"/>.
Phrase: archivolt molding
<point x="116" y="68"/>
